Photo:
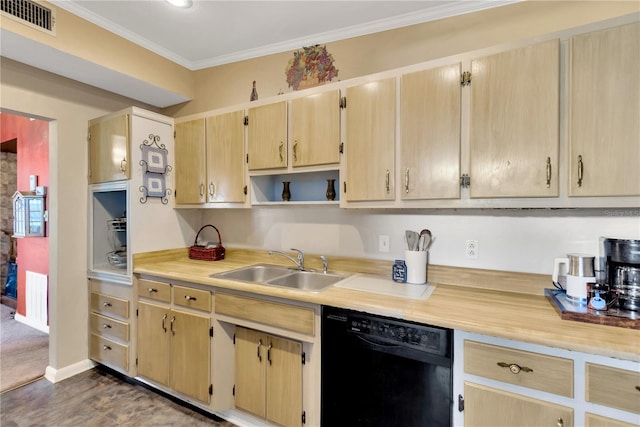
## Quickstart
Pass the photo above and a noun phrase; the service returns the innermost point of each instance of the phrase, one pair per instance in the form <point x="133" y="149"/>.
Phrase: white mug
<point x="416" y="262"/>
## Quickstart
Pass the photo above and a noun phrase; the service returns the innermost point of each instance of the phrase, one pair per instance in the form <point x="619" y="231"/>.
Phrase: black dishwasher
<point x="380" y="371"/>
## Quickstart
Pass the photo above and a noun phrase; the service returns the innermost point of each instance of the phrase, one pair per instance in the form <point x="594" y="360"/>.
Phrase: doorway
<point x="24" y="349"/>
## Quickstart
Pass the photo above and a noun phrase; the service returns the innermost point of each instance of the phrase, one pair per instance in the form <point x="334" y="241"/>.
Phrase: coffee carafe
<point x="622" y="268"/>
<point x="580" y="272"/>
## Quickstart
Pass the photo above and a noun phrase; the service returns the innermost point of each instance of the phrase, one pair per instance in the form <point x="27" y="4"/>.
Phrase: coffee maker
<point x="621" y="262"/>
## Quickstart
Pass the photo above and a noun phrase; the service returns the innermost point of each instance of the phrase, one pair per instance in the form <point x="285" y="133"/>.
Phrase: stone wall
<point x="8" y="186"/>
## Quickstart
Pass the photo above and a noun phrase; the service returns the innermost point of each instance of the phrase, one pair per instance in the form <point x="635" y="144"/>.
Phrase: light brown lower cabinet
<point x="268" y="376"/>
<point x="109" y="325"/>
<point x="486" y="406"/>
<point x="592" y="420"/>
<point x="174" y="349"/>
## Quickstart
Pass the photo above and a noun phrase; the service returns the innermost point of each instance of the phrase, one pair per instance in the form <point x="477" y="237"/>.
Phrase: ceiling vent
<point x="30" y="13"/>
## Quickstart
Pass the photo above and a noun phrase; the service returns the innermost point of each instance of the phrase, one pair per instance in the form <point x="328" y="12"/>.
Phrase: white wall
<point x="69" y="105"/>
<point x="511" y="240"/>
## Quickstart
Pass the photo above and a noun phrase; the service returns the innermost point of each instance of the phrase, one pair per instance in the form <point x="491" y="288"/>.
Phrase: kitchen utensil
<point x="580" y="271"/>
<point x="425" y="239"/>
<point x="412" y="239"/>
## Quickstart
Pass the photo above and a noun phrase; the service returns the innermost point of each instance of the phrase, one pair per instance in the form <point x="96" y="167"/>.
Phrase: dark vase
<point x="286" y="193"/>
<point x="331" y="191"/>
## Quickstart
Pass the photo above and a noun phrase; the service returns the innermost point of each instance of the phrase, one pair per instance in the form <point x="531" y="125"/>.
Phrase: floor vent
<point x="30" y="13"/>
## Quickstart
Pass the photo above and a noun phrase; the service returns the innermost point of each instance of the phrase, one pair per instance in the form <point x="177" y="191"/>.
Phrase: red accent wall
<point x="32" y="159"/>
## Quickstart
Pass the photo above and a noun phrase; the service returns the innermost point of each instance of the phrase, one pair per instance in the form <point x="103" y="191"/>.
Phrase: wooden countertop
<point x="500" y="304"/>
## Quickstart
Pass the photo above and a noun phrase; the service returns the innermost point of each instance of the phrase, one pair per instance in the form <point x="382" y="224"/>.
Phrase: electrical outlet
<point x="471" y="249"/>
<point x="383" y="243"/>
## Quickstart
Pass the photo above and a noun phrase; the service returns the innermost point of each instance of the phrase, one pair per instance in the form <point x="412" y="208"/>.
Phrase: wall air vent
<point x="30" y="13"/>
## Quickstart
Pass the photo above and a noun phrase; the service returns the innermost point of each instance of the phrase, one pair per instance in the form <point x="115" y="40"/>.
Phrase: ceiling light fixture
<point x="181" y="3"/>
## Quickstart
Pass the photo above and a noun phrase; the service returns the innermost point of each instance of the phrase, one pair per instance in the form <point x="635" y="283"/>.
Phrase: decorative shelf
<point x="307" y="188"/>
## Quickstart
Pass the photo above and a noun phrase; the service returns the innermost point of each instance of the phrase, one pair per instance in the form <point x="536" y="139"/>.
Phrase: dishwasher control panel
<point x="426" y="338"/>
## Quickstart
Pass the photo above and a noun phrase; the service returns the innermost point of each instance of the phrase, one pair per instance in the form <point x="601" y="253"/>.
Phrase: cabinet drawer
<point x="617" y="388"/>
<point x="592" y="420"/>
<point x="151" y="289"/>
<point x="109" y="305"/>
<point x="108" y="327"/>
<point x="534" y="370"/>
<point x="109" y="352"/>
<point x="486" y="406"/>
<point x="190" y="297"/>
<point x="285" y="316"/>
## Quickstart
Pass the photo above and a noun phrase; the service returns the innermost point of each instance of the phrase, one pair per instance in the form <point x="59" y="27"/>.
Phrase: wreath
<point x="310" y="66"/>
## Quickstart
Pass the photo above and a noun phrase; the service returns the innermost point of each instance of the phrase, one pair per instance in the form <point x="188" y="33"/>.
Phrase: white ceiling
<point x="214" y="32"/>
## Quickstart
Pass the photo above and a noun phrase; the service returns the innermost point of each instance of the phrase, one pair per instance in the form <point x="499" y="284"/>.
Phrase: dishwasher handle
<point x="402" y="350"/>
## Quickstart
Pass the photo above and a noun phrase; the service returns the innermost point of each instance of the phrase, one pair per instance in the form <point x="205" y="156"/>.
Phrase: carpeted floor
<point x="24" y="352"/>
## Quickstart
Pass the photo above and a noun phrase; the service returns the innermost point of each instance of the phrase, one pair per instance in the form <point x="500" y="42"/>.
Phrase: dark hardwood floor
<point x="95" y="398"/>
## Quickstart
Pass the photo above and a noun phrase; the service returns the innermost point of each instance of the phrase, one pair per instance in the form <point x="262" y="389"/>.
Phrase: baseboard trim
<point x="22" y="319"/>
<point x="54" y="375"/>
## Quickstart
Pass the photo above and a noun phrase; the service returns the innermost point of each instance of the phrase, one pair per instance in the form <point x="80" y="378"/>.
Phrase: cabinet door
<point x="191" y="354"/>
<point x="315" y="128"/>
<point x="515" y="122"/>
<point x="485" y="406"/>
<point x="153" y="342"/>
<point x="604" y="103"/>
<point x="109" y="150"/>
<point x="284" y="381"/>
<point x="190" y="162"/>
<point x="267" y="136"/>
<point x="430" y="128"/>
<point x="370" y="141"/>
<point x="225" y="157"/>
<point x="250" y="356"/>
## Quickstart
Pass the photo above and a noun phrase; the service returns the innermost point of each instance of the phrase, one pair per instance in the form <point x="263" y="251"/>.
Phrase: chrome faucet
<point x="325" y="264"/>
<point x="299" y="262"/>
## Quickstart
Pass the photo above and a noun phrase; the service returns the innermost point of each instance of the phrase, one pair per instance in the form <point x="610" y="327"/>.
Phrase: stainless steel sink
<point x="307" y="280"/>
<point x="255" y="273"/>
<point x="275" y="275"/>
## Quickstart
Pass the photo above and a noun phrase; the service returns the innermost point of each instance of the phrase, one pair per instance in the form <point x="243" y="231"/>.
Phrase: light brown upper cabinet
<point x="514" y="131"/>
<point x="604" y="104"/>
<point x="315" y="128"/>
<point x="190" y="162"/>
<point x="109" y="150"/>
<point x="370" y="143"/>
<point x="267" y="136"/>
<point x="225" y="157"/>
<point x="430" y="129"/>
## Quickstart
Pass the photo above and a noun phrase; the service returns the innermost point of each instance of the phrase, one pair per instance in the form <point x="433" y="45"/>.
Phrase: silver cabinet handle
<point x="106" y="304"/>
<point x="201" y="189"/>
<point x="269" y="353"/>
<point x="152" y="290"/>
<point x="173" y="319"/>
<point x="281" y="151"/>
<point x="388" y="181"/>
<point x="560" y="422"/>
<point x="190" y="298"/>
<point x="212" y="189"/>
<point x="514" y="368"/>
<point x="123" y="165"/>
<point x="295" y="151"/>
<point x="406" y="181"/>
<point x="259" y="345"/>
<point x="106" y="347"/>
<point x="580" y="171"/>
<point x="164" y="327"/>
<point x="548" y="172"/>
<point x="106" y="326"/>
